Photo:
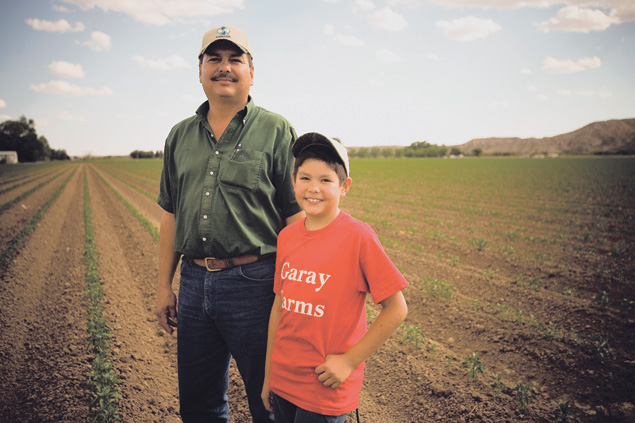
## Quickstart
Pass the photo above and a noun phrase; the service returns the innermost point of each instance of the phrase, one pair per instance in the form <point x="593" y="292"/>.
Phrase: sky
<point x="106" y="77"/>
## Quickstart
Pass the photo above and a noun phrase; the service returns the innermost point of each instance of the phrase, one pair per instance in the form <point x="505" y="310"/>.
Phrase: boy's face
<point x="318" y="191"/>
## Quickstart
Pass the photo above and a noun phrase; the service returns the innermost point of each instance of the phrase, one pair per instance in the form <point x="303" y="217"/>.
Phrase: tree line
<point x="416" y="149"/>
<point x="20" y="136"/>
<point x="138" y="154"/>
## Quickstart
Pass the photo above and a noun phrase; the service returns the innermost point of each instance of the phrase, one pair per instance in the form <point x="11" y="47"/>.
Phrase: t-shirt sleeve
<point x="283" y="178"/>
<point x="382" y="277"/>
<point x="165" y="193"/>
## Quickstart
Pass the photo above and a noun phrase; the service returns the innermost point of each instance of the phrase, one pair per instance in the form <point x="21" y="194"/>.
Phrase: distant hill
<point x="607" y="137"/>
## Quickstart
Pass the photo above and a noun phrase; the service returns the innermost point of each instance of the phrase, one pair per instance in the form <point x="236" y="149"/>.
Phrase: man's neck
<point x="220" y="113"/>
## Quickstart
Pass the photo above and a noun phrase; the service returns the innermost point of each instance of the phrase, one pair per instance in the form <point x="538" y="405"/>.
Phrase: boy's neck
<point x="313" y="223"/>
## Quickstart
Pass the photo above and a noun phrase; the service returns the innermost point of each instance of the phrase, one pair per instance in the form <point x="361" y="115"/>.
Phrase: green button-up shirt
<point x="230" y="196"/>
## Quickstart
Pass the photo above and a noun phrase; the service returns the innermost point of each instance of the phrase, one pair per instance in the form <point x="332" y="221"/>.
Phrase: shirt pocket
<point x="243" y="170"/>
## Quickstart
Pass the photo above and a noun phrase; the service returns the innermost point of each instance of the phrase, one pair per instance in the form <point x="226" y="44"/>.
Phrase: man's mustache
<point x="228" y="76"/>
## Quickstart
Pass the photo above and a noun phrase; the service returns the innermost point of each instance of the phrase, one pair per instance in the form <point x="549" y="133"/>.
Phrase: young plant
<point x="523" y="395"/>
<point x="498" y="385"/>
<point x="553" y="332"/>
<point x="413" y="334"/>
<point x="564" y="413"/>
<point x="601" y="349"/>
<point x="535" y="283"/>
<point x="437" y="288"/>
<point x="473" y="365"/>
<point x="603" y="300"/>
<point x="479" y="243"/>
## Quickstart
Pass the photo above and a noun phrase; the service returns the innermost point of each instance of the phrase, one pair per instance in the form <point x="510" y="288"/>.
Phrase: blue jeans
<point x="220" y="315"/>
<point x="287" y="412"/>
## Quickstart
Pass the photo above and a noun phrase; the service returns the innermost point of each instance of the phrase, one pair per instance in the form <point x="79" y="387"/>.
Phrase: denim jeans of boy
<point x="220" y="315"/>
<point x="287" y="412"/>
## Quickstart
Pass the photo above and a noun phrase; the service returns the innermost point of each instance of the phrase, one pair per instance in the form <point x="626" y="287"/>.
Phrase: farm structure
<point x="9" y="157"/>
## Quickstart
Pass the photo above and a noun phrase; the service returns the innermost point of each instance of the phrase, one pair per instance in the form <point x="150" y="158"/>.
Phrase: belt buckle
<point x="207" y="265"/>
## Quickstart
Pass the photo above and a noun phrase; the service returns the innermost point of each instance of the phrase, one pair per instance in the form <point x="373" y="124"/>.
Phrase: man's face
<point x="225" y="73"/>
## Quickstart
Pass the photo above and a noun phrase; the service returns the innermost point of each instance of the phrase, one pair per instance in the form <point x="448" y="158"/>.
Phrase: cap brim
<point x="304" y="142"/>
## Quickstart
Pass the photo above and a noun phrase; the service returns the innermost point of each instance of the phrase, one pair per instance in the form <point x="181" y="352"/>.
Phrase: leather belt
<point x="213" y="264"/>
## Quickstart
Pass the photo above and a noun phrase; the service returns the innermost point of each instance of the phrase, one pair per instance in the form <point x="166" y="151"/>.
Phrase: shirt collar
<point x="204" y="108"/>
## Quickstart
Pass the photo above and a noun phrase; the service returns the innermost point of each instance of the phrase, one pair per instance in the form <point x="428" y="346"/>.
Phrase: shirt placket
<point x="209" y="191"/>
<point x="220" y="148"/>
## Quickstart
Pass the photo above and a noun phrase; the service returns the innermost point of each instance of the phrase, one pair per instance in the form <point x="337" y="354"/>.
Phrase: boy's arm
<point x="274" y="319"/>
<point x="337" y="368"/>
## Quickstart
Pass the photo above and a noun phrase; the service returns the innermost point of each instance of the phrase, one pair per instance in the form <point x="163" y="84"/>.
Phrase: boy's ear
<point x="346" y="186"/>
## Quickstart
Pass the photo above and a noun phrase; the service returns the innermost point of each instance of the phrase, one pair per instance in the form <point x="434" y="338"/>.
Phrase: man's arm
<point x="168" y="260"/>
<point x="274" y="320"/>
<point x="337" y="368"/>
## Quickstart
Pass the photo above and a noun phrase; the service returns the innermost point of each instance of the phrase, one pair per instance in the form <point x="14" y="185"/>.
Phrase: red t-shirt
<point x="323" y="278"/>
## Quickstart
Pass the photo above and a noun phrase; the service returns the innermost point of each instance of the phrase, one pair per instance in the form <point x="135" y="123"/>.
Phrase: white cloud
<point x="593" y="93"/>
<point x="4" y="117"/>
<point x="388" y="19"/>
<point x="162" y="12"/>
<point x="61" y="25"/>
<point x="434" y="57"/>
<point x="556" y="66"/>
<point x="3" y="104"/>
<point x="99" y="41"/>
<point x="621" y="10"/>
<point x="526" y="71"/>
<point x="167" y="63"/>
<point x="495" y="4"/>
<point x="542" y="97"/>
<point x="364" y="5"/>
<point x="532" y="89"/>
<point x="409" y="3"/>
<point x="66" y="88"/>
<point x="60" y="8"/>
<point x="585" y="93"/>
<point x="66" y="69"/>
<point x="468" y="28"/>
<point x="64" y="115"/>
<point x="346" y="39"/>
<point x="388" y="56"/>
<point x="575" y="19"/>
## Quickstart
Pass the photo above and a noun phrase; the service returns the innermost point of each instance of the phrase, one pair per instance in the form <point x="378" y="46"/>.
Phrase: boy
<point x="325" y="266"/>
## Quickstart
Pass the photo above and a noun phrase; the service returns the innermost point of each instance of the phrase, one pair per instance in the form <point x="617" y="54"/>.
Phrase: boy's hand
<point x="266" y="396"/>
<point x="335" y="370"/>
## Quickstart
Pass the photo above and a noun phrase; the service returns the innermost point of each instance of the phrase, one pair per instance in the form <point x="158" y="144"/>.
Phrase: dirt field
<point x="538" y="347"/>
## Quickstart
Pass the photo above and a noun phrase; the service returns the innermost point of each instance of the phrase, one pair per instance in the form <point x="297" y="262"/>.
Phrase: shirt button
<point x="207" y="193"/>
<point x="217" y="152"/>
<point x="205" y="217"/>
<point x="204" y="239"/>
<point x="212" y="172"/>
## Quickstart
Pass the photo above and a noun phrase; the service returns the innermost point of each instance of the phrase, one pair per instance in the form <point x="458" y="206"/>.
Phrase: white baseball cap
<point x="229" y="33"/>
<point x="313" y="138"/>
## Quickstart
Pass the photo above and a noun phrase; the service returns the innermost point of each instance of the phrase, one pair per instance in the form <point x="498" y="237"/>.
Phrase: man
<point x="226" y="191"/>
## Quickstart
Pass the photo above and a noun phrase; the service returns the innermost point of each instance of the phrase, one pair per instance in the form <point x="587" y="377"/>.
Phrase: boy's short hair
<point x="316" y="146"/>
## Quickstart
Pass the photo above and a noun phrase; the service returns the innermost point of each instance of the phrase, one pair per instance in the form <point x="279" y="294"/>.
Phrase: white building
<point x="8" y="157"/>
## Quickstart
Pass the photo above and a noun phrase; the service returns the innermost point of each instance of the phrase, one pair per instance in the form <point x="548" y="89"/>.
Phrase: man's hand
<point x="335" y="370"/>
<point x="166" y="309"/>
